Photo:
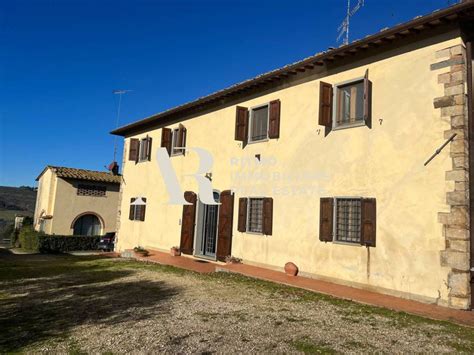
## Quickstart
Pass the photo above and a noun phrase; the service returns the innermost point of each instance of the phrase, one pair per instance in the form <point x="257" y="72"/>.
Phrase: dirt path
<point x="91" y="304"/>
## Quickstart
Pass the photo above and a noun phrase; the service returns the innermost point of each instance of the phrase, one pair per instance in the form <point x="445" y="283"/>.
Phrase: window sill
<point x="259" y="141"/>
<point x="349" y="125"/>
<point x="254" y="233"/>
<point x="348" y="243"/>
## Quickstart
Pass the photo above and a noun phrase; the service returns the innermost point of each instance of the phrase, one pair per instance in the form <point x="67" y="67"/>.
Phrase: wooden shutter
<point x="224" y="234"/>
<point x="325" y="104"/>
<point x="367" y="100"/>
<point x="241" y="124"/>
<point x="242" y="222"/>
<point x="166" y="137"/>
<point x="181" y="138"/>
<point x="326" y="210"/>
<point x="187" y="223"/>
<point x="267" y="215"/>
<point x="131" y="215"/>
<point x="133" y="151"/>
<point x="369" y="219"/>
<point x="274" y="121"/>
<point x="148" y="148"/>
<point x="142" y="210"/>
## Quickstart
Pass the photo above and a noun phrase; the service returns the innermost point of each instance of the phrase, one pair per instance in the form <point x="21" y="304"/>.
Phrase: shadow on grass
<point x="46" y="296"/>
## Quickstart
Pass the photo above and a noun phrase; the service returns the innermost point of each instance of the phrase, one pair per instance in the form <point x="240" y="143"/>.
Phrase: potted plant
<point x="232" y="260"/>
<point x="175" y="251"/>
<point x="291" y="269"/>
<point x="141" y="251"/>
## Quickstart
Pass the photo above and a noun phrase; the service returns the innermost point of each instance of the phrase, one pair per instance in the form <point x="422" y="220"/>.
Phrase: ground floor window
<point x="88" y="224"/>
<point x="255" y="215"/>
<point x="348" y="220"/>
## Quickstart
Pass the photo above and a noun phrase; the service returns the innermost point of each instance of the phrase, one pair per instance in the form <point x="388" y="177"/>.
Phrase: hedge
<point x="32" y="240"/>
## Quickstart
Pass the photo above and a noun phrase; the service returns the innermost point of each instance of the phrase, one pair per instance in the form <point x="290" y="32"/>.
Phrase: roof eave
<point x="415" y="26"/>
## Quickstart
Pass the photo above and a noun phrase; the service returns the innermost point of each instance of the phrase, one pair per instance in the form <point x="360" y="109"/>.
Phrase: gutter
<point x="470" y="118"/>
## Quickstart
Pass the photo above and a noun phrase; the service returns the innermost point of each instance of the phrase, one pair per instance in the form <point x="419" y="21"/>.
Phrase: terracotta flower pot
<point x="175" y="252"/>
<point x="291" y="269"/>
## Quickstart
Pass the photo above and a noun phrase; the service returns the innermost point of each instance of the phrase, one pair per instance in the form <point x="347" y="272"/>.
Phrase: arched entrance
<point x="87" y="224"/>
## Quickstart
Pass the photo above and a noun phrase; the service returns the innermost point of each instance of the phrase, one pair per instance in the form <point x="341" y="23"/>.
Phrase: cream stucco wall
<point x="44" y="199"/>
<point x="385" y="162"/>
<point x="58" y="197"/>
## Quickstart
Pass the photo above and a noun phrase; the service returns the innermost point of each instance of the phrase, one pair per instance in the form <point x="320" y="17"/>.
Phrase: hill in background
<point x="15" y="201"/>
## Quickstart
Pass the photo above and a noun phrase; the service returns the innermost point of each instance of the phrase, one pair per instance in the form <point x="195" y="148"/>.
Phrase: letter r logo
<point x="170" y="179"/>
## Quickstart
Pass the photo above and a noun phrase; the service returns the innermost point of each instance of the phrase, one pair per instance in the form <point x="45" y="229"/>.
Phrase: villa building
<point x="352" y="163"/>
<point x="76" y="201"/>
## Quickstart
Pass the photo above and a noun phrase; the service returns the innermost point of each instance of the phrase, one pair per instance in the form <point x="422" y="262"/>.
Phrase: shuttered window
<point x="350" y="103"/>
<point x="346" y="104"/>
<point x="258" y="124"/>
<point x="137" y="212"/>
<point x="143" y="151"/>
<point x="348" y="220"/>
<point x="354" y="220"/>
<point x="255" y="215"/>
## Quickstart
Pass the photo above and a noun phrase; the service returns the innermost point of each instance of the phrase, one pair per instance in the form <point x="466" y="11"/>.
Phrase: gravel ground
<point x="92" y="304"/>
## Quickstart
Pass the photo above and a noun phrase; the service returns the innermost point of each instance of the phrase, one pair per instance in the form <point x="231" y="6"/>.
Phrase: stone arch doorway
<point x="87" y="224"/>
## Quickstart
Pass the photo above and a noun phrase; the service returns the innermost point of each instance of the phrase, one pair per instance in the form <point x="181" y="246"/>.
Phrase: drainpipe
<point x="470" y="117"/>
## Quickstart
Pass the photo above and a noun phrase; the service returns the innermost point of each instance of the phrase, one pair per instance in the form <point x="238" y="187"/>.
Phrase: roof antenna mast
<point x="114" y="166"/>
<point x="344" y="26"/>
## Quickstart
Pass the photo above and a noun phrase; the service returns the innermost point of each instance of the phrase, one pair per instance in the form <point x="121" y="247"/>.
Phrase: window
<point x="255" y="215"/>
<point x="140" y="149"/>
<point x="178" y="140"/>
<point x="143" y="150"/>
<point x="349" y="103"/>
<point x="88" y="225"/>
<point x="258" y="124"/>
<point x="137" y="209"/>
<point x="91" y="190"/>
<point x="348" y="220"/>
<point x="173" y="139"/>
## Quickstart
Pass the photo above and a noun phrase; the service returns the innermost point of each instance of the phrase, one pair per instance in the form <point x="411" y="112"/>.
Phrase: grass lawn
<point x="93" y="304"/>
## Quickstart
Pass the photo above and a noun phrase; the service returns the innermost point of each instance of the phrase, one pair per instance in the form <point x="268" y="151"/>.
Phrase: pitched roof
<point x="82" y="174"/>
<point x="437" y="18"/>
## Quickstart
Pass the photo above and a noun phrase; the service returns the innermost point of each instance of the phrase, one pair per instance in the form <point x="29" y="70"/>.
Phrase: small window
<point x="349" y="104"/>
<point x="91" y="190"/>
<point x="258" y="124"/>
<point x="137" y="211"/>
<point x="255" y="215"/>
<point x="143" y="151"/>
<point x="176" y="143"/>
<point x="348" y="220"/>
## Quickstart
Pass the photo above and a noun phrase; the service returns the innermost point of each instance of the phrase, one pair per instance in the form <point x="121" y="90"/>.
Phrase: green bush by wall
<point x="32" y="240"/>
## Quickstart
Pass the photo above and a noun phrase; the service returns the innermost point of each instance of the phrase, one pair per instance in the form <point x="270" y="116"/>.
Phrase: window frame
<point x="335" y="91"/>
<point x="143" y="143"/>
<point x="136" y="216"/>
<point x="249" y="135"/>
<point x="175" y="152"/>
<point x="247" y="218"/>
<point x="334" y="221"/>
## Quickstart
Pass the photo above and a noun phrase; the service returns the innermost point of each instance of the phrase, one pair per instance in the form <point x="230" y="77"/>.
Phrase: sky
<point x="61" y="60"/>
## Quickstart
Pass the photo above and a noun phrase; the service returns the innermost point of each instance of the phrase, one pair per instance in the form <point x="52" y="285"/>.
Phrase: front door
<point x="206" y="229"/>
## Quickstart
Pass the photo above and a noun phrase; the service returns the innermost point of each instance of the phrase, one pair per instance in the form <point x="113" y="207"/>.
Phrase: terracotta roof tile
<point x="82" y="174"/>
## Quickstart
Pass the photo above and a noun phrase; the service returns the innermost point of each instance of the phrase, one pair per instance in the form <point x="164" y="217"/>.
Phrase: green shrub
<point x="28" y="238"/>
<point x="32" y="240"/>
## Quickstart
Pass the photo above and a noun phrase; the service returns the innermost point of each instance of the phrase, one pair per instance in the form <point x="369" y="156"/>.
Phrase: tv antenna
<point x="344" y="26"/>
<point x="119" y="93"/>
